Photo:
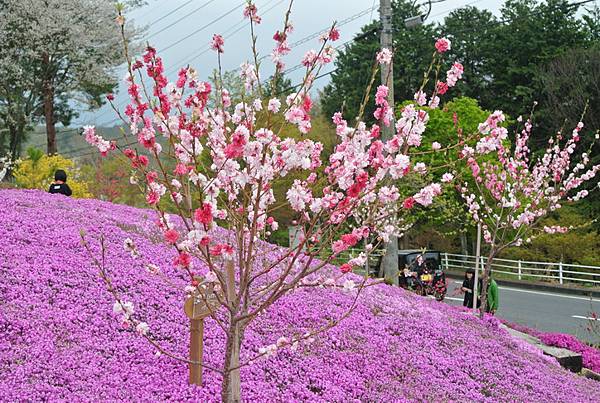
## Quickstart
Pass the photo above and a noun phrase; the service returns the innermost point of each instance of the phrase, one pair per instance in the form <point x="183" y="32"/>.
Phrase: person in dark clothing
<point x="467" y="287"/>
<point x="59" y="185"/>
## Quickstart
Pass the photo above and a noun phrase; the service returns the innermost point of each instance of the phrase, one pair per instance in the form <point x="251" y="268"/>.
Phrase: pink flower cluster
<point x="442" y="45"/>
<point x="454" y="74"/>
<point x="104" y="146"/>
<point x="281" y="48"/>
<point x="383" y="111"/>
<point x="384" y="56"/>
<point x="251" y="12"/>
<point x="217" y="43"/>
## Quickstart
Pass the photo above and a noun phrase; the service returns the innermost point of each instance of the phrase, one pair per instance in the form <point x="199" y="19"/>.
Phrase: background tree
<point x="530" y="34"/>
<point x="57" y="55"/>
<point x="571" y="89"/>
<point x="443" y="225"/>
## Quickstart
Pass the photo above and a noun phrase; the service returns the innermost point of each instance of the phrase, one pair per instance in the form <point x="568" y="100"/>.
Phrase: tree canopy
<point x="56" y="56"/>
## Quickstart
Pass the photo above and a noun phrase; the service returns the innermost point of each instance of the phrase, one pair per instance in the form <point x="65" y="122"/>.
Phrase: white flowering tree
<point x="228" y="273"/>
<point x="7" y="164"/>
<point x="55" y="54"/>
<point x="511" y="194"/>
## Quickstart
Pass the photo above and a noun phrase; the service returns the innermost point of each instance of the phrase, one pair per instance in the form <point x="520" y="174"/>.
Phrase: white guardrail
<point x="560" y="273"/>
<point x="523" y="269"/>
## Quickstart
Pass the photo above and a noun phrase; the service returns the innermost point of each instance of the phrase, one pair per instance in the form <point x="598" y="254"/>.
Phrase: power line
<point x="316" y="34"/>
<point x="188" y="60"/>
<point x="238" y="27"/>
<point x="319" y="33"/>
<point x="170" y="13"/>
<point x="203" y="27"/>
<point x="180" y="19"/>
<point x="301" y="41"/>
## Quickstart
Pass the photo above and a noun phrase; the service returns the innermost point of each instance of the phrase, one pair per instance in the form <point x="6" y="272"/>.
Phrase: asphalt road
<point x="545" y="311"/>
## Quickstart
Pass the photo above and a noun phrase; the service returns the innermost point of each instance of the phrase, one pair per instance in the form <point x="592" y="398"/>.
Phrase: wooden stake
<point x="196" y="348"/>
<point x="197" y="307"/>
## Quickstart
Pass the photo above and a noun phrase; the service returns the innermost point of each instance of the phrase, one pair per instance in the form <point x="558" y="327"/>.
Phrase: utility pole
<point x="477" y="261"/>
<point x="389" y="263"/>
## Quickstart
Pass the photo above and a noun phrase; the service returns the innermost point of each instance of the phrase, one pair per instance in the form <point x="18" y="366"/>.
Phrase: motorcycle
<point x="425" y="280"/>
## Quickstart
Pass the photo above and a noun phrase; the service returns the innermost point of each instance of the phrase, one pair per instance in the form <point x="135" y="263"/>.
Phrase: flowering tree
<point x="6" y="165"/>
<point x="54" y="52"/>
<point x="235" y="188"/>
<point x="511" y="195"/>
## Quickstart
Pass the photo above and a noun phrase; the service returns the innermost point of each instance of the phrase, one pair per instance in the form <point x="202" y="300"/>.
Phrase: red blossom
<point x="350" y="240"/>
<point x="442" y="87"/>
<point x="346" y="268"/>
<point x="143" y="160"/>
<point x="183" y="260"/>
<point x="204" y="215"/>
<point x="408" y="203"/>
<point x="217" y="43"/>
<point x="204" y="241"/>
<point x="172" y="236"/>
<point x="334" y="34"/>
<point x="151" y="176"/>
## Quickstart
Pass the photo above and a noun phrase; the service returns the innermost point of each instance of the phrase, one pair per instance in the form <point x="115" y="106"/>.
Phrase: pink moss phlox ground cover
<point x="59" y="339"/>
<point x="590" y="355"/>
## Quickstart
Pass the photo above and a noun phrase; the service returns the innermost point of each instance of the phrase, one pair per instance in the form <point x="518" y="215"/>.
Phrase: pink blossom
<point x="172" y="236"/>
<point x="251" y="12"/>
<point x="310" y="57"/>
<point x="384" y="56"/>
<point x="217" y="43"/>
<point x="274" y="105"/>
<point x="204" y="215"/>
<point x="420" y="98"/>
<point x="434" y="102"/>
<point x="436" y="146"/>
<point x="339" y="246"/>
<point x="555" y="229"/>
<point x="447" y="177"/>
<point x="180" y="169"/>
<point x="454" y="74"/>
<point x="441" y="87"/>
<point x="425" y="196"/>
<point x="442" y="45"/>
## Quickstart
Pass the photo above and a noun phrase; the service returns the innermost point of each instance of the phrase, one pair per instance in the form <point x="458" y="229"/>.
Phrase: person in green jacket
<point x="492" y="297"/>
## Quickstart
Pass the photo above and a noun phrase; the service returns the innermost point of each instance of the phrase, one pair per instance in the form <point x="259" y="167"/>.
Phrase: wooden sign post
<point x="197" y="307"/>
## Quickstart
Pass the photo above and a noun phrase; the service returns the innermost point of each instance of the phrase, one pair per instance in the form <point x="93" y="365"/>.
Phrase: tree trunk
<point x="16" y="138"/>
<point x="48" y="92"/>
<point x="464" y="246"/>
<point x="231" y="391"/>
<point x="485" y="279"/>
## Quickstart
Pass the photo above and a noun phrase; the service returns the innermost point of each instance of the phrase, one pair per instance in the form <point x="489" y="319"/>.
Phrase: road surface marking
<point x="540" y="293"/>
<point x="583" y="317"/>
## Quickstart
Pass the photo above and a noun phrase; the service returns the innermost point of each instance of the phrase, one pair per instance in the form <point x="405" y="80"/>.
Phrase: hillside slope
<point x="59" y="339"/>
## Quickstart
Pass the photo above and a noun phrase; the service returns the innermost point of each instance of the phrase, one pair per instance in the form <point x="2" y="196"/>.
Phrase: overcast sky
<point x="182" y="29"/>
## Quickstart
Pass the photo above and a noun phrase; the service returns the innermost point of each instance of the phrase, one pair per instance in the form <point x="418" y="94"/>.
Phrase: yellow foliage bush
<point x="37" y="172"/>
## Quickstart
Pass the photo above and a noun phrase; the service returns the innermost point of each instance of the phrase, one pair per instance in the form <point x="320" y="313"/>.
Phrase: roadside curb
<point x="531" y="285"/>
